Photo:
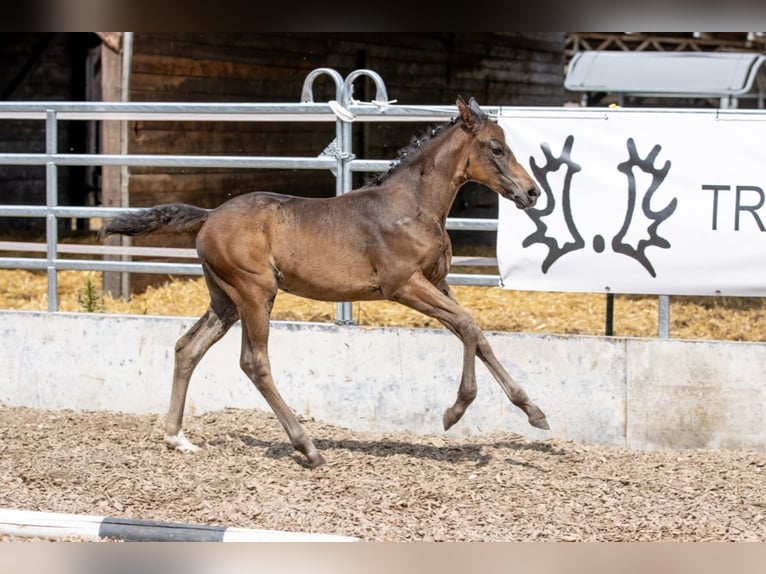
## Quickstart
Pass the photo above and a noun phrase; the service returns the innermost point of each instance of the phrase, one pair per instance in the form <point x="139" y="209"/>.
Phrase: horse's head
<point x="491" y="162"/>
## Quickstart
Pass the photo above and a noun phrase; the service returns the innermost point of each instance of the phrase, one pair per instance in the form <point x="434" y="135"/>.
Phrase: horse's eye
<point x="497" y="150"/>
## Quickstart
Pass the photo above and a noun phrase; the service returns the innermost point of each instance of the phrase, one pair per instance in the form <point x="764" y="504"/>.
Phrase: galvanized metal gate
<point x="338" y="157"/>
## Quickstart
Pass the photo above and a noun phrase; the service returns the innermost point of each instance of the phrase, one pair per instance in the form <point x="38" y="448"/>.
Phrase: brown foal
<point x="385" y="240"/>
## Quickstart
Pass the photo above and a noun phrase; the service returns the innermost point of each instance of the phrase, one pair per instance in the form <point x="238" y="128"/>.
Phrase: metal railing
<point x="338" y="157"/>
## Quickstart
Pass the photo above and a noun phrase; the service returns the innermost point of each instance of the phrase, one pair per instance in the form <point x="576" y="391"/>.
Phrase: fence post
<point x="344" y="312"/>
<point x="609" y="321"/>
<point x="51" y="202"/>
<point x="345" y="144"/>
<point x="663" y="319"/>
<point x="341" y="151"/>
<point x="127" y="59"/>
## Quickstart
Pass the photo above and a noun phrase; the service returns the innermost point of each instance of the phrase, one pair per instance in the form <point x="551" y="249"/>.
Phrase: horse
<point x="383" y="240"/>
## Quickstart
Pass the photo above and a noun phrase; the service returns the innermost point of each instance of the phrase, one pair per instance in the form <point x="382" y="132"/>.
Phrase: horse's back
<point x="289" y="237"/>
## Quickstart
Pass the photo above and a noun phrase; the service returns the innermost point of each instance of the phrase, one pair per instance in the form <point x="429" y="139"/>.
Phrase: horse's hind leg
<point x="189" y="350"/>
<point x="255" y="363"/>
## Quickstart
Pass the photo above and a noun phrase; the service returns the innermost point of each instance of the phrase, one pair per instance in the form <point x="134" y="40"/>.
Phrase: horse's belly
<point x="330" y="285"/>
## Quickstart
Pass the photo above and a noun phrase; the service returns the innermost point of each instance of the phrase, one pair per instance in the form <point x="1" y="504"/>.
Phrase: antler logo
<point x="575" y="241"/>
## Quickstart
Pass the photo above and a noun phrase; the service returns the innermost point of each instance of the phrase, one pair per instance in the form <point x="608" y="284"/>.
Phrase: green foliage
<point x="90" y="298"/>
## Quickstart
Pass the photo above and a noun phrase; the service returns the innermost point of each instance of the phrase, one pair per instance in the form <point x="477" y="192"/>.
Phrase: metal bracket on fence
<point x="333" y="150"/>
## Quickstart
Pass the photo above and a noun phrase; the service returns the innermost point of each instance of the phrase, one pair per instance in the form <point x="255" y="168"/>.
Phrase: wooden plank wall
<point x="39" y="67"/>
<point x="426" y="68"/>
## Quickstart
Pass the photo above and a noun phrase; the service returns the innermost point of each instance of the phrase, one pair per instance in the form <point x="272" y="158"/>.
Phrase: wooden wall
<point x="40" y="67"/>
<point x="426" y="68"/>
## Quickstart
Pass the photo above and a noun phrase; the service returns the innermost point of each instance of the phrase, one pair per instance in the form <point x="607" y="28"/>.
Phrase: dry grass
<point x="495" y="309"/>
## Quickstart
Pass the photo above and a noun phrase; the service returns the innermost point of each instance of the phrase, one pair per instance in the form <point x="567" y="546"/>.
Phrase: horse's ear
<point x="476" y="109"/>
<point x="468" y="114"/>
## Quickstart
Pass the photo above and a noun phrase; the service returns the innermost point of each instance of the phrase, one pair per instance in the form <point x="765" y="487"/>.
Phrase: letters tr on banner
<point x="662" y="202"/>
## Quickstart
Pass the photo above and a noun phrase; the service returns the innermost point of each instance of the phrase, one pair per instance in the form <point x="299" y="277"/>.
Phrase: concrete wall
<point x="641" y="393"/>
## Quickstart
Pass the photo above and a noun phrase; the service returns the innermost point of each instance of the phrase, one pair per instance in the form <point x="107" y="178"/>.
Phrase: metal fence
<point x="338" y="157"/>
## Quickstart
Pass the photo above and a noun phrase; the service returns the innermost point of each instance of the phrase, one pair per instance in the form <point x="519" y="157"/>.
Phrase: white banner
<point x="636" y="201"/>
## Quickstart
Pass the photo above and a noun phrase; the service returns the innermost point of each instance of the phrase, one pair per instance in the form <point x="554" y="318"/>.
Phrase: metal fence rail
<point x="338" y="157"/>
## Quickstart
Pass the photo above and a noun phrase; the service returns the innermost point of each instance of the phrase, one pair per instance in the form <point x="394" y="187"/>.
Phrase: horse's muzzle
<point x="528" y="199"/>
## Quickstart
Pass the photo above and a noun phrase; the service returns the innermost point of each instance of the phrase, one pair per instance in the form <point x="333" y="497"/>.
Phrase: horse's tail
<point x="177" y="217"/>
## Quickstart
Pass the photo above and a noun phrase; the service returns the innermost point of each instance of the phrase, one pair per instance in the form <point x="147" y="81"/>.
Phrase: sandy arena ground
<point x="392" y="487"/>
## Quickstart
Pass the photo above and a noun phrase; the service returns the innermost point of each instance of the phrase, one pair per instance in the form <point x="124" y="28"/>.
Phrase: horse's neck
<point x="435" y="177"/>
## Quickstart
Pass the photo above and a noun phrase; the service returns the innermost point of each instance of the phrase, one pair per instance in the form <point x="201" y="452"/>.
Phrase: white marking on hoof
<point x="181" y="443"/>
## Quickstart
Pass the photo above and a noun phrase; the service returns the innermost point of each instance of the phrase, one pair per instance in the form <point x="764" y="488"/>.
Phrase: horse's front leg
<point x="421" y="295"/>
<point x="511" y="388"/>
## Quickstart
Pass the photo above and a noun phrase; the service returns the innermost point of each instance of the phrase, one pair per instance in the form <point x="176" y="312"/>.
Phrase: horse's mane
<point x="405" y="154"/>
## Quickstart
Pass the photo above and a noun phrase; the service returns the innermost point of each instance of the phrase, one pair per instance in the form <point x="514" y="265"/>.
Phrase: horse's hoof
<point x="449" y="419"/>
<point x="318" y="460"/>
<point x="180" y="443"/>
<point x="540" y="423"/>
